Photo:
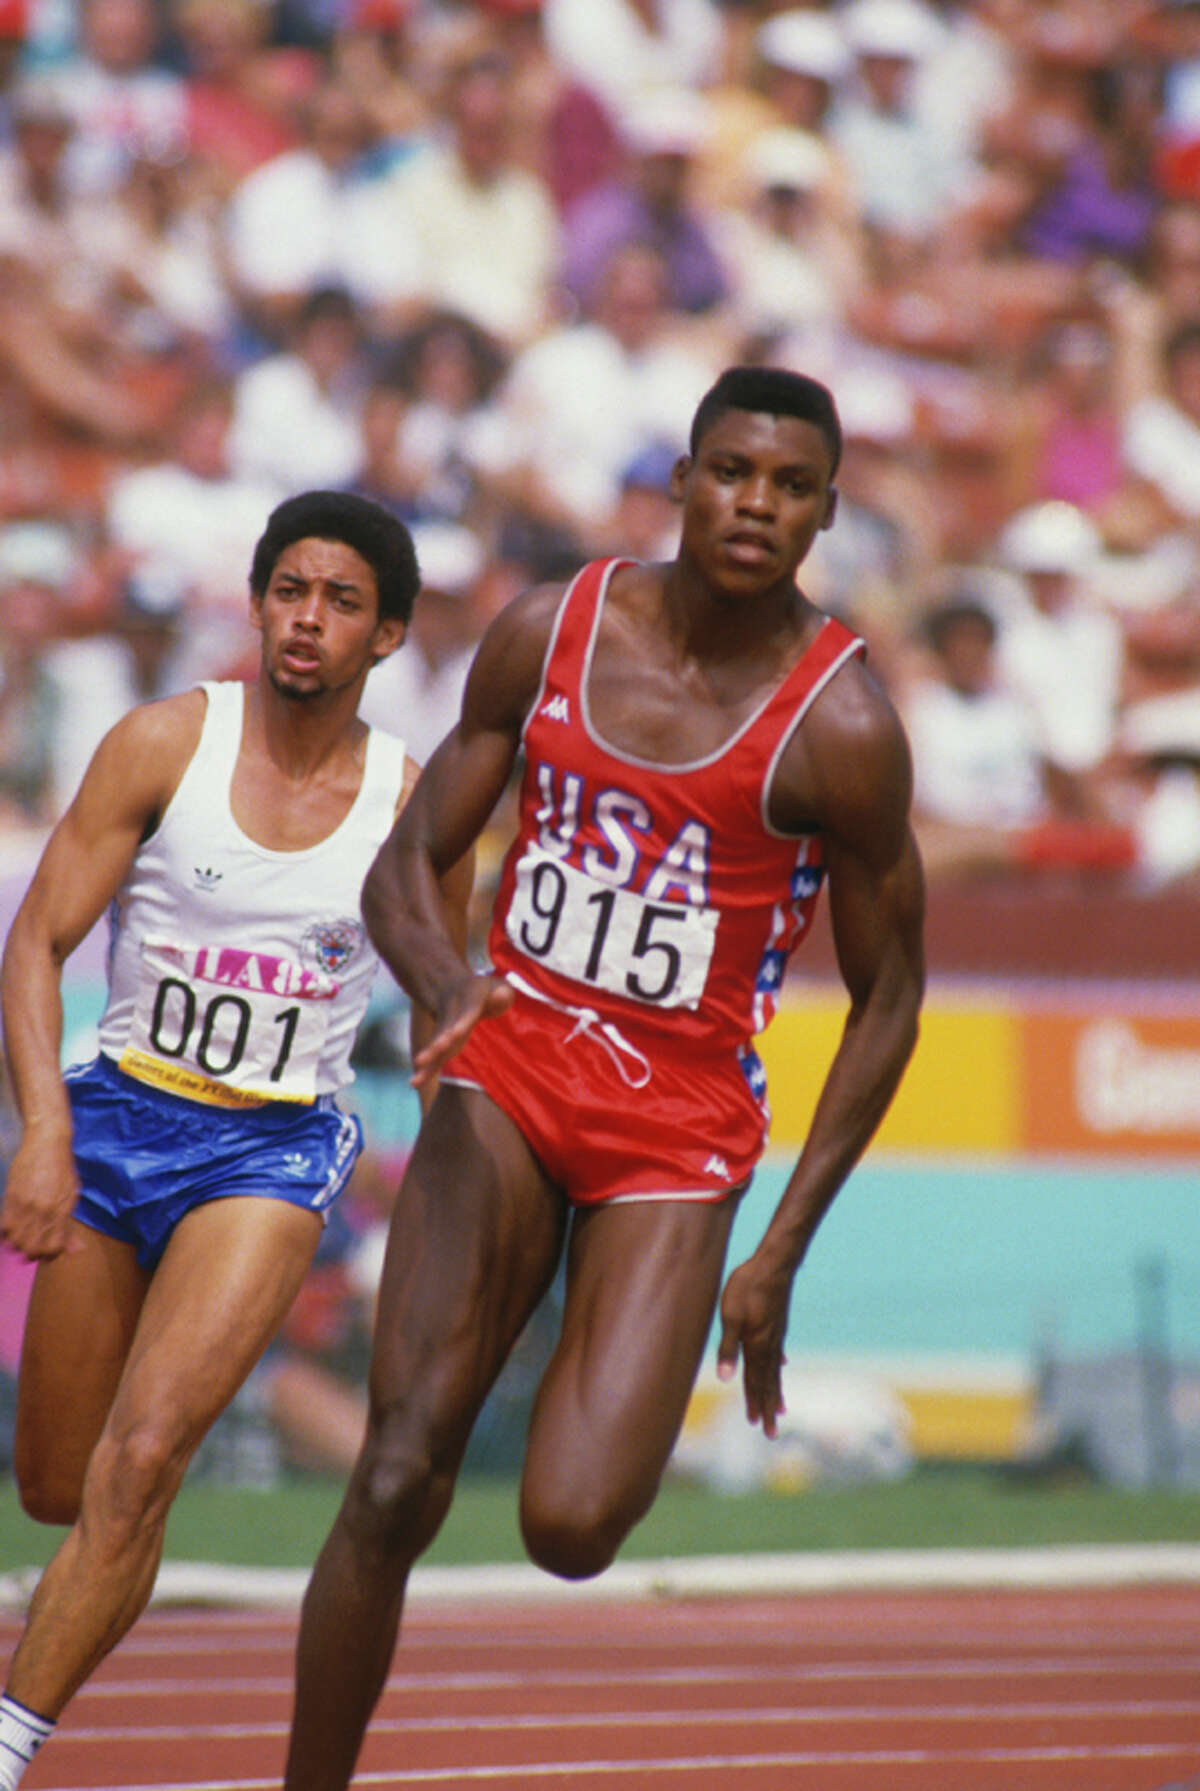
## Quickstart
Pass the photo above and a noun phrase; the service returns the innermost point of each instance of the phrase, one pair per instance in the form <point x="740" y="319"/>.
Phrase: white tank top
<point x="238" y="974"/>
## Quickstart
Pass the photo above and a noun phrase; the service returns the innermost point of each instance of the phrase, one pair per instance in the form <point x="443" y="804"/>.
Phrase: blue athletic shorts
<point x="146" y="1158"/>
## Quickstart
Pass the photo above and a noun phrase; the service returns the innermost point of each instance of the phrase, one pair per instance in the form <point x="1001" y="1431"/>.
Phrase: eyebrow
<point x="337" y="584"/>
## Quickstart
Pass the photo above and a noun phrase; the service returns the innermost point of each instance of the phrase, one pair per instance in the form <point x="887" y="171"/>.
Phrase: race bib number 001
<point x="611" y="939"/>
<point x="229" y="1027"/>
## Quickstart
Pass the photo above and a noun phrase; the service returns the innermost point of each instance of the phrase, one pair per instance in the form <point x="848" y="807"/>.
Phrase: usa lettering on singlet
<point x="650" y="889"/>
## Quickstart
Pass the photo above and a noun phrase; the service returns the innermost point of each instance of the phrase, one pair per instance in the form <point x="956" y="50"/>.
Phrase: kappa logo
<point x="717" y="1165"/>
<point x="557" y="709"/>
<point x="205" y="877"/>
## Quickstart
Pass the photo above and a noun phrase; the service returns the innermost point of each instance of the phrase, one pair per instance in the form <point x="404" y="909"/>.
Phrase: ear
<point x="256" y="620"/>
<point x="389" y="634"/>
<point x="679" y="473"/>
<point x="831" y="501"/>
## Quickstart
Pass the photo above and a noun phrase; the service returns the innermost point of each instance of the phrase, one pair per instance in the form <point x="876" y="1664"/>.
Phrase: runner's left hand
<point x="754" y="1310"/>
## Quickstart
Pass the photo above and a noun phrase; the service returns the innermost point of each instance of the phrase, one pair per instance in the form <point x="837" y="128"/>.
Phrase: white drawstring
<point x="589" y="1024"/>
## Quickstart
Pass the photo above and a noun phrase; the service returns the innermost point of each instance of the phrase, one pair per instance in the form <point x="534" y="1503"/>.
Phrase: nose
<point x="308" y="612"/>
<point x="756" y="494"/>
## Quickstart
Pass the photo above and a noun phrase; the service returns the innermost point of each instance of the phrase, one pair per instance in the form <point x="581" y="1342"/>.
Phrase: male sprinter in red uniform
<point x="702" y="747"/>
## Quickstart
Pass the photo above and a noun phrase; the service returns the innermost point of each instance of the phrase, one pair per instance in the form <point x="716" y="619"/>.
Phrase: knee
<point x="46" y="1496"/>
<point x="399" y="1492"/>
<point x="131" y="1480"/>
<point x="574" y="1538"/>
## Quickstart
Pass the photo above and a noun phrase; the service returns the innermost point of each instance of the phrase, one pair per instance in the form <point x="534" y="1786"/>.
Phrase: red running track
<point x="1094" y="1690"/>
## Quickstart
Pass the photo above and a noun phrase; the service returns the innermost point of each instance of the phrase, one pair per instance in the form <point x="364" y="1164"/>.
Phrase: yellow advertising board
<point x="1011" y="1072"/>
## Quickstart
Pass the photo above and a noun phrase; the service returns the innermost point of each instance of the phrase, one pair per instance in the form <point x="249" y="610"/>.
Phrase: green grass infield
<point x="934" y="1507"/>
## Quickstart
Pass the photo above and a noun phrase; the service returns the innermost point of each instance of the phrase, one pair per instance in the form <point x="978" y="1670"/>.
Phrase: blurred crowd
<point x="479" y="260"/>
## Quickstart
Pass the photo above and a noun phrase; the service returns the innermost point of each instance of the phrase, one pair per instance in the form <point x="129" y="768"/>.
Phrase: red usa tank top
<point x="659" y="898"/>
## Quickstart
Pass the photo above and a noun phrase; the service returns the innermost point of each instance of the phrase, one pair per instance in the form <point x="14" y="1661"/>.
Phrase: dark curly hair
<point x="381" y="538"/>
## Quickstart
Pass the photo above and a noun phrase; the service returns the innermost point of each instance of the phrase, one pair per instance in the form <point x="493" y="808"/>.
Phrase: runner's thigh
<point x="224" y="1285"/>
<point x="642" y="1285"/>
<point x="82" y="1315"/>
<point x="475" y="1237"/>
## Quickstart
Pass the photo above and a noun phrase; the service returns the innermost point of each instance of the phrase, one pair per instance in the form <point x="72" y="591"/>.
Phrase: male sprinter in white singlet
<point x="173" y="1191"/>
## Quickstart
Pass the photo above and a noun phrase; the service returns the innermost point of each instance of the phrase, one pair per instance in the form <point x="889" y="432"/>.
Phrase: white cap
<point x="36" y="553"/>
<point x="875" y="406"/>
<point x="901" y="28"/>
<point x="787" y="158"/>
<point x="1050" y="537"/>
<point x="805" y="43"/>
<point x="665" y="121"/>
<point x="449" y="556"/>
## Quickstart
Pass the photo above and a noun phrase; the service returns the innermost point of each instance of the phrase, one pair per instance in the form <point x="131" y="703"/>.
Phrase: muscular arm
<point x="849" y="768"/>
<point x="405" y="903"/>
<point x="455" y="887"/>
<point x="124" y="790"/>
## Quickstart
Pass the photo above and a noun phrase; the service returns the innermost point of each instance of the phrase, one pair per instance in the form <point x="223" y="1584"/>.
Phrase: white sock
<point x="22" y="1733"/>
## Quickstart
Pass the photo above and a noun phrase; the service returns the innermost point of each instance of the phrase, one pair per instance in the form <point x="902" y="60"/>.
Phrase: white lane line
<point x="532" y="1679"/>
<point x="642" y="1770"/>
<point x="779" y="1715"/>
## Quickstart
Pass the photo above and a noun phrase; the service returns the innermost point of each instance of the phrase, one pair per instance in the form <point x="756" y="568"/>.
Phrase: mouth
<point x="298" y="656"/>
<point x="749" y="548"/>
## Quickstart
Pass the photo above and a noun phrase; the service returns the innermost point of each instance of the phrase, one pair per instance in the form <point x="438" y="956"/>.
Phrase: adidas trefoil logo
<point x="205" y="877"/>
<point x="557" y="709"/>
<point x="717" y="1165"/>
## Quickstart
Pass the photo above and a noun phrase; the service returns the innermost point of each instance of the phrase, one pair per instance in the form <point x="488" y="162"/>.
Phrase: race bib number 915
<point x="612" y="939"/>
<point x="229" y="1027"/>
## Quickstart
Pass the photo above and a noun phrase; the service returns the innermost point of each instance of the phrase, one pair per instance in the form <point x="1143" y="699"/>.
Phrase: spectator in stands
<point x="645" y="522"/>
<point x="1158" y="735"/>
<point x="1172" y="273"/>
<point x="561" y="128"/>
<point x="71" y="363"/>
<point x="650" y="202"/>
<point x="385" y="474"/>
<point x="1170" y="30"/>
<point x="36" y="563"/>
<point x="157" y="242"/>
<point x="484" y="229"/>
<point x="1162" y="433"/>
<point x="1071" y="414"/>
<point x="983" y="795"/>
<point x="14" y="28"/>
<point x="580" y="402"/>
<point x="1102" y="198"/>
<point x="451" y="370"/>
<point x="907" y="172"/>
<point x="868" y="569"/>
<point x="419" y="690"/>
<point x="967" y="79"/>
<point x="374" y="52"/>
<point x="1060" y="649"/>
<point x="122" y="98"/>
<point x="798" y="61"/>
<point x="977" y="772"/>
<point x="619" y="48"/>
<point x="181" y="526"/>
<point x="39" y="211"/>
<point x="310" y="217"/>
<point x="241" y="91"/>
<point x="789" y="264"/>
<point x="298" y="413"/>
<point x="805" y="60"/>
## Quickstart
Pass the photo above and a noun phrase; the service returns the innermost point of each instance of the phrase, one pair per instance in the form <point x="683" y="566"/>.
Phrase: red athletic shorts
<point x="606" y="1122"/>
